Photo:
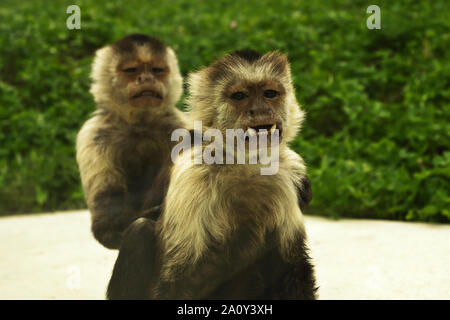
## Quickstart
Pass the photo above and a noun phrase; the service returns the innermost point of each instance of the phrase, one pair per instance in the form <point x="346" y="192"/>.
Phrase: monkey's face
<point x="257" y="107"/>
<point x="249" y="91"/>
<point x="136" y="77"/>
<point x="143" y="81"/>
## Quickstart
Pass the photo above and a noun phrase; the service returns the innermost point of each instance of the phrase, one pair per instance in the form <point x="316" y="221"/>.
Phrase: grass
<point x="376" y="137"/>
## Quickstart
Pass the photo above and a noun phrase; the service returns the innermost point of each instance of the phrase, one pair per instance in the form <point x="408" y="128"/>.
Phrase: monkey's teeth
<point x="272" y="130"/>
<point x="251" y="132"/>
<point x="262" y="132"/>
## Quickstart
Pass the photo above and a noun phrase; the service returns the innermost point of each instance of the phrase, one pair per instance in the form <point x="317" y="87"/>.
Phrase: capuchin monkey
<point x="123" y="151"/>
<point x="227" y="231"/>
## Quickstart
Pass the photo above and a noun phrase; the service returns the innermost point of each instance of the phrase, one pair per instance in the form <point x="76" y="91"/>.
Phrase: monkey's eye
<point x="130" y="70"/>
<point x="238" y="95"/>
<point x="270" y="94"/>
<point x="157" y="70"/>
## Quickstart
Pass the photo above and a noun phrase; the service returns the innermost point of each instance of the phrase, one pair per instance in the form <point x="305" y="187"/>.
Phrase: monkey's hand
<point x="110" y="217"/>
<point x="304" y="193"/>
<point x="108" y="229"/>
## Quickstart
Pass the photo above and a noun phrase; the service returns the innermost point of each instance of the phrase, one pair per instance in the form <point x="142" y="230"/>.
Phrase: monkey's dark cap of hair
<point x="247" y="54"/>
<point x="220" y="68"/>
<point x="127" y="43"/>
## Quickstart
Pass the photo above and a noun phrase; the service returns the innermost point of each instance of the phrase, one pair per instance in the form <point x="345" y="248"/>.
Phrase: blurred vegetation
<point x="376" y="138"/>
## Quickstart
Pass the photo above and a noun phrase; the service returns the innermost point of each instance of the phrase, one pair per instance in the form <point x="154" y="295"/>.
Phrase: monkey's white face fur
<point x="211" y="88"/>
<point x="138" y="84"/>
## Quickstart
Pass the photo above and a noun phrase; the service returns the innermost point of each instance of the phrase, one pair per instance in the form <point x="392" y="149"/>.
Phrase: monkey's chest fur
<point x="240" y="220"/>
<point x="139" y="155"/>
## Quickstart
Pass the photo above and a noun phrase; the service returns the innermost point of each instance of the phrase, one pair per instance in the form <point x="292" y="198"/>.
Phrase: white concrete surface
<point x="54" y="256"/>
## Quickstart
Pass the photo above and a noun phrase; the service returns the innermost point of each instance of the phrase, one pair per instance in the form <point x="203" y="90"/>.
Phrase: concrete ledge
<point x="54" y="256"/>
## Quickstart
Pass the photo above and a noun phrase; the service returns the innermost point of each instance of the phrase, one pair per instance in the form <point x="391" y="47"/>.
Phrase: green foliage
<point x="376" y="139"/>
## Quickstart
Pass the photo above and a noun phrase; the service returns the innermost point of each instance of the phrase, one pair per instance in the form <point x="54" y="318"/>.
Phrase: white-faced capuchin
<point x="123" y="150"/>
<point x="227" y="231"/>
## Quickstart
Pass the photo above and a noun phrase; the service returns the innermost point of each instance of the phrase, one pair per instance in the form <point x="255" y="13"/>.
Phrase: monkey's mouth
<point x="264" y="129"/>
<point x="148" y="94"/>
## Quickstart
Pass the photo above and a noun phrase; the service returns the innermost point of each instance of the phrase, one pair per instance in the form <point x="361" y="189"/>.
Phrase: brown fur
<point x="123" y="151"/>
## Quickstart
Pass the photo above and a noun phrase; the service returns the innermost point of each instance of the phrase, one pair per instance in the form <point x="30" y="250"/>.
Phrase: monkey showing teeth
<point x="226" y="231"/>
<point x="123" y="151"/>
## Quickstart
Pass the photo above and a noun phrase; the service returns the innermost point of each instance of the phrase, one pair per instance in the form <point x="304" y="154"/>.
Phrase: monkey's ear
<point x="200" y="100"/>
<point x="100" y="63"/>
<point x="278" y="61"/>
<point x="281" y="57"/>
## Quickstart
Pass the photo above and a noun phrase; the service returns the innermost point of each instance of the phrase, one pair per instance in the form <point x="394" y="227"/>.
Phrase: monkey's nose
<point x="259" y="112"/>
<point x="145" y="77"/>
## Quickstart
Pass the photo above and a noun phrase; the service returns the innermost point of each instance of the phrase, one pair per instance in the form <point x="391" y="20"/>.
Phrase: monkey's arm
<point x="290" y="275"/>
<point x="104" y="185"/>
<point x="135" y="269"/>
<point x="304" y="193"/>
<point x="154" y="195"/>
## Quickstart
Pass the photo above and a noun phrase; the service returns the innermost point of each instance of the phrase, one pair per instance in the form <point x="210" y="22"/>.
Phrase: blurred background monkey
<point x="123" y="151"/>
